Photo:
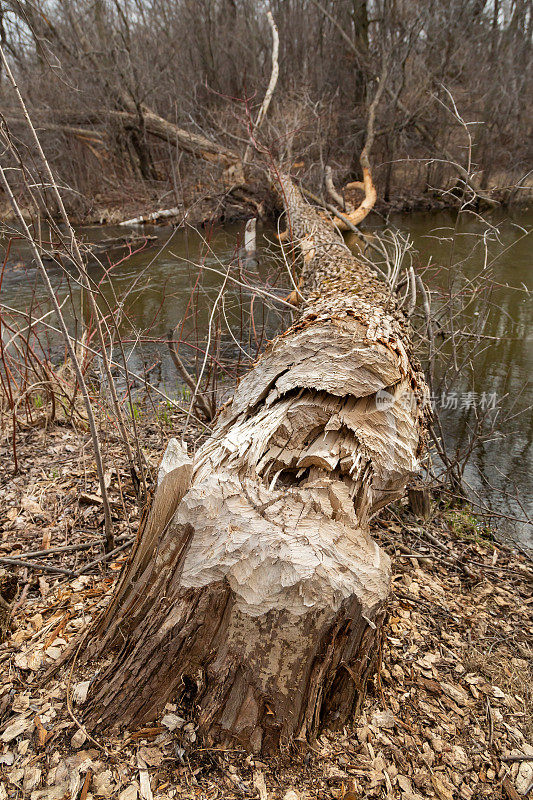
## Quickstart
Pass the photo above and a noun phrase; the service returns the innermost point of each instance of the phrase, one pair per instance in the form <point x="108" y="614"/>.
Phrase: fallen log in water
<point x="154" y="216"/>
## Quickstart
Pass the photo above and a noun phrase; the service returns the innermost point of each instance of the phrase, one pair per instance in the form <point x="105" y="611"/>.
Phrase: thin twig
<point x="18" y="562"/>
<point x="68" y="548"/>
<point x="35" y="249"/>
<point x="200" y="401"/>
<point x="521" y="757"/>
<point x="104" y="557"/>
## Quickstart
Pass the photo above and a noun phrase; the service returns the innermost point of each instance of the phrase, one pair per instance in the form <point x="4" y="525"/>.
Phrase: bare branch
<point x="270" y="89"/>
<point x="331" y="190"/>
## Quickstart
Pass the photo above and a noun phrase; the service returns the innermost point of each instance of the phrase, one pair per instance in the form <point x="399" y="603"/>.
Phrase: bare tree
<point x="92" y="70"/>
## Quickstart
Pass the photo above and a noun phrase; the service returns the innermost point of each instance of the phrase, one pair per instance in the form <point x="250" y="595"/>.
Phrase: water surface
<point x="172" y="285"/>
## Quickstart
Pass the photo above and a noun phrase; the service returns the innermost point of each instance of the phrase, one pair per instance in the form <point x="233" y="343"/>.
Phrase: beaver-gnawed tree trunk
<point x="256" y="590"/>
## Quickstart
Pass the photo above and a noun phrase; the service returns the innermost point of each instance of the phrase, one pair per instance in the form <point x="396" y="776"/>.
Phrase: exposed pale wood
<point x="357" y="215"/>
<point x="154" y="216"/>
<point x="369" y="201"/>
<point x="330" y="187"/>
<point x="250" y="238"/>
<point x="421" y="127"/>
<point x="174" y="479"/>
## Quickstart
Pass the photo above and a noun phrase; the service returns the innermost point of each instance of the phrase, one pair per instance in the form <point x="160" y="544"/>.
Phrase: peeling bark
<point x="256" y="591"/>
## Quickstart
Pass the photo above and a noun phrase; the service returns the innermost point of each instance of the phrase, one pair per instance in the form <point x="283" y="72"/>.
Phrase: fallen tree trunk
<point x="154" y="216"/>
<point x="147" y="120"/>
<point x="193" y="143"/>
<point x="255" y="591"/>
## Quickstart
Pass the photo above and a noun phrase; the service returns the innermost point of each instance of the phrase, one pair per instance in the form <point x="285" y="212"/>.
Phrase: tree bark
<point x="420" y="501"/>
<point x="255" y="591"/>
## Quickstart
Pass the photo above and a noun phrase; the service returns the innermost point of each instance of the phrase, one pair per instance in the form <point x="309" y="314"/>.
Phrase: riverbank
<point x="212" y="201"/>
<point x="450" y="716"/>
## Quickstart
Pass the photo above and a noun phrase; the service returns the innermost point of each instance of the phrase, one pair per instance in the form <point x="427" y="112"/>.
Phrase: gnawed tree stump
<point x="256" y="591"/>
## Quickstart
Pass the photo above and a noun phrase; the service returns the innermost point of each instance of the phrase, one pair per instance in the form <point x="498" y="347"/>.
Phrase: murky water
<point x="172" y="285"/>
<point x="497" y="382"/>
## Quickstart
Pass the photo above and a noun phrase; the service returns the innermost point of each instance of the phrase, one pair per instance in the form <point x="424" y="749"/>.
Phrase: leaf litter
<point x="448" y="717"/>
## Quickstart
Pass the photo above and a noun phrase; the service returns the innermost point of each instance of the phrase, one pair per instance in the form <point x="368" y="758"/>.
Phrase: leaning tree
<point x="255" y="592"/>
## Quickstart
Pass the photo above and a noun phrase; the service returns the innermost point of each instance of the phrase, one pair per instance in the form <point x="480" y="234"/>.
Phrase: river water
<point x="173" y="282"/>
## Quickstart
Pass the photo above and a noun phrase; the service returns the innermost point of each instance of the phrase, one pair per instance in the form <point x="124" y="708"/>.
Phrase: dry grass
<point x="510" y="667"/>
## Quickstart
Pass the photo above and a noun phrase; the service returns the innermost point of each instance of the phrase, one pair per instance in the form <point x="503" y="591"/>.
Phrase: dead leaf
<point x="103" y="784"/>
<point x="32" y="776"/>
<point x="442" y="791"/>
<point x="383" y="719"/>
<point x="78" y="739"/>
<point x="429" y="684"/>
<point x="172" y="721"/>
<point x="21" y="703"/>
<point x="129" y="793"/>
<point x="31" y="660"/>
<point x="260" y="785"/>
<point x="79" y="695"/>
<point x="524" y="779"/>
<point x="291" y="795"/>
<point x="30" y="505"/>
<point x="404" y="783"/>
<point x="36" y="621"/>
<point x="40" y="733"/>
<point x="21" y="725"/>
<point x="89" y="499"/>
<point x="457" y="694"/>
<point x="151" y="756"/>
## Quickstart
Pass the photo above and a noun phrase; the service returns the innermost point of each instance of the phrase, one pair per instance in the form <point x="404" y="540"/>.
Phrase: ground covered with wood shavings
<point x="450" y="717"/>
